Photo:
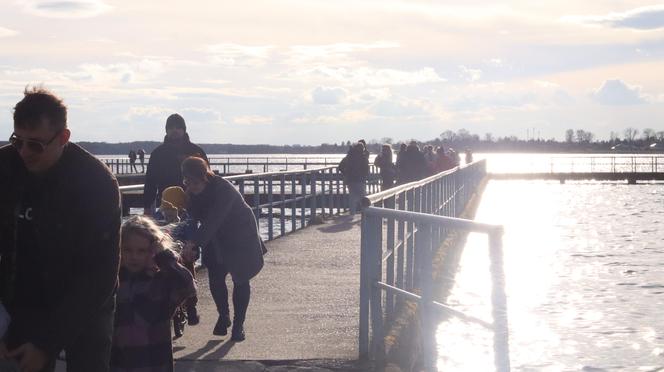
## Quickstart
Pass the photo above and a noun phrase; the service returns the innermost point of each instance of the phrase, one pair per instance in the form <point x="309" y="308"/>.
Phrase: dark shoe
<point x="237" y="334"/>
<point x="221" y="328"/>
<point x="192" y="316"/>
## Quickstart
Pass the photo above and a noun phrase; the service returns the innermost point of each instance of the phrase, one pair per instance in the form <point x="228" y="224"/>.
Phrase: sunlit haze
<point x="313" y="71"/>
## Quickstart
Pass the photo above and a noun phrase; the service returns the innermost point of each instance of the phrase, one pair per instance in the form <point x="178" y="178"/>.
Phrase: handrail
<point x="297" y="196"/>
<point x="396" y="224"/>
<point x="378" y="295"/>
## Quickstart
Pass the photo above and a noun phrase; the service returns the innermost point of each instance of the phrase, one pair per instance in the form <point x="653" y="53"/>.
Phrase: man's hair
<point x="37" y="104"/>
<point x="196" y="168"/>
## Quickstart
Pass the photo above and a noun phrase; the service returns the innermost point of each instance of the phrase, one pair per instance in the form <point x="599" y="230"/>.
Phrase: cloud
<point x="302" y="54"/>
<point x="644" y="18"/>
<point x="616" y="93"/>
<point x="66" y="8"/>
<point x="253" y="119"/>
<point x="235" y="55"/>
<point x="367" y="76"/>
<point x="470" y="74"/>
<point x="328" y="95"/>
<point x="5" y="32"/>
<point x="150" y="112"/>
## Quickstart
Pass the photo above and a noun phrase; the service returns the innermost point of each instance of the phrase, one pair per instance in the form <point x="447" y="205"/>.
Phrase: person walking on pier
<point x="60" y="217"/>
<point x="164" y="164"/>
<point x="132" y="160"/>
<point x="228" y="234"/>
<point x="388" y="170"/>
<point x="355" y="169"/>
<point x="412" y="164"/>
<point x="141" y="158"/>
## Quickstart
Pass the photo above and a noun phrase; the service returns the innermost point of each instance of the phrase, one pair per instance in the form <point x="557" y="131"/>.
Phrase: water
<point x="584" y="266"/>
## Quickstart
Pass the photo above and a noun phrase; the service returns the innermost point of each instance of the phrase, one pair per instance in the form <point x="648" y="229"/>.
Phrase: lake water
<point x="584" y="266"/>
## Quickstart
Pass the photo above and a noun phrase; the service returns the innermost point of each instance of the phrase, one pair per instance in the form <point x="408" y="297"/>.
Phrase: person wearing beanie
<point x="164" y="164"/>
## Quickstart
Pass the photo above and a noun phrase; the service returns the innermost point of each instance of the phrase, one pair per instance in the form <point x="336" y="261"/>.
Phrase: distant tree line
<point x="575" y="140"/>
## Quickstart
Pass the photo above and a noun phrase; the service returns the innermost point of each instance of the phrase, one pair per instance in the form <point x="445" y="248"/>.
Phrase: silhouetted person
<point x="442" y="162"/>
<point x="132" y="160"/>
<point x="388" y="171"/>
<point x="141" y="158"/>
<point x="412" y="164"/>
<point x="165" y="161"/>
<point x="355" y="169"/>
<point x="469" y="156"/>
<point x="60" y="219"/>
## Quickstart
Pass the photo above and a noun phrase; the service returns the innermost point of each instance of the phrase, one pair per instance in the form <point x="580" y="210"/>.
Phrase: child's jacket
<point x="146" y="302"/>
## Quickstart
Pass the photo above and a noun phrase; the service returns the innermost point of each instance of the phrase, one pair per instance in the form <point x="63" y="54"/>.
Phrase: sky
<point x="320" y="71"/>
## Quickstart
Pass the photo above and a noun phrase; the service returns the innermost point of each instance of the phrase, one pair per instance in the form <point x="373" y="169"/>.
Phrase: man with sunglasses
<point x="60" y="219"/>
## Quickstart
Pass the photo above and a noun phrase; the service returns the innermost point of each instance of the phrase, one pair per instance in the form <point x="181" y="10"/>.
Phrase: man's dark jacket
<point x="164" y="167"/>
<point x="77" y="232"/>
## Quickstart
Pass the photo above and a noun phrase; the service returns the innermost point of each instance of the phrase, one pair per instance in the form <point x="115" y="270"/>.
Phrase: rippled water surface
<point x="584" y="266"/>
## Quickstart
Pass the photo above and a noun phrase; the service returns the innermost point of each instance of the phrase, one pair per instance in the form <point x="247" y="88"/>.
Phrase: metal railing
<point x="607" y="164"/>
<point x="233" y="165"/>
<point x="379" y="298"/>
<point x="402" y="251"/>
<point x="287" y="201"/>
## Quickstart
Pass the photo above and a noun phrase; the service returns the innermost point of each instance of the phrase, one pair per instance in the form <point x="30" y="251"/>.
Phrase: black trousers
<point x="241" y="293"/>
<point x="91" y="351"/>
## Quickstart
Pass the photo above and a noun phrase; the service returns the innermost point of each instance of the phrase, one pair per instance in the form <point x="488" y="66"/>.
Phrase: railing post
<point x="365" y="290"/>
<point x="257" y="200"/>
<point x="499" y="302"/>
<point x="424" y="250"/>
<point x="282" y="192"/>
<point x="270" y="216"/>
<point x="375" y="275"/>
<point x="314" y="204"/>
<point x="303" y="206"/>
<point x="293" y="203"/>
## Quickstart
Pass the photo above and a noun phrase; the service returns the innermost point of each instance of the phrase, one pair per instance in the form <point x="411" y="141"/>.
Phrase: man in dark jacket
<point x="60" y="220"/>
<point x="412" y="166"/>
<point x="164" y="164"/>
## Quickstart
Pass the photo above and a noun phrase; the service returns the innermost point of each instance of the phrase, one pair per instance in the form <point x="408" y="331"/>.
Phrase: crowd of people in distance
<point x="411" y="164"/>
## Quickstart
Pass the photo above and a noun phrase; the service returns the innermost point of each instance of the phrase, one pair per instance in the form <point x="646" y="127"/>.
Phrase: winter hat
<point x="176" y="121"/>
<point x="174" y="196"/>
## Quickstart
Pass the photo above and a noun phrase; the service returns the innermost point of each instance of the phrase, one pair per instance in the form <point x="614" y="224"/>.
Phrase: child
<point x="152" y="286"/>
<point x="180" y="227"/>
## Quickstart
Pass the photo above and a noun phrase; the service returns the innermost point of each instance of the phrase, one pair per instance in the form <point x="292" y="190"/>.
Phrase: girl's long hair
<point x="147" y="228"/>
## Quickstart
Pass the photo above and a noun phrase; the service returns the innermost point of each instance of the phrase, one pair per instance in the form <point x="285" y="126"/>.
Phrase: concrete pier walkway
<point x="304" y="303"/>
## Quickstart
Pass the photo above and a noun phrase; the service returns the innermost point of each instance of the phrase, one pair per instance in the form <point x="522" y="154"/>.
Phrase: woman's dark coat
<point x="228" y="232"/>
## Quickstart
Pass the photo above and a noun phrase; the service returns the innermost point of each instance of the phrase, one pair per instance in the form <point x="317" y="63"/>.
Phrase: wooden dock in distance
<point x="630" y="177"/>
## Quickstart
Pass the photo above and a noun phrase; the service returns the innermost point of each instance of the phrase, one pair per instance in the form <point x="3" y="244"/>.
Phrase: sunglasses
<point x="33" y="145"/>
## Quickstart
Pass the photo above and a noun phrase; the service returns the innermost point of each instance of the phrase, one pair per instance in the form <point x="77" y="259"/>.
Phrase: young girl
<point x="152" y="286"/>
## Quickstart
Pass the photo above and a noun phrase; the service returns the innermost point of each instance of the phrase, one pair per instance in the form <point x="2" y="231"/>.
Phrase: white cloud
<point x="252" y="119"/>
<point x="235" y="55"/>
<point x="6" y="32"/>
<point x="151" y="112"/>
<point x="328" y="53"/>
<point x="644" y="18"/>
<point x="65" y="8"/>
<point x="367" y="76"/>
<point x="615" y="92"/>
<point x="328" y="95"/>
<point x="470" y="74"/>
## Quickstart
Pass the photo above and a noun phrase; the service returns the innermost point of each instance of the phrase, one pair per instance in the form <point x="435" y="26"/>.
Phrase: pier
<point x="309" y="304"/>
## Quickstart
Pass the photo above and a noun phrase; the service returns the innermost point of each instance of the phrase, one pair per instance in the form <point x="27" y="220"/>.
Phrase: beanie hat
<point x="174" y="196"/>
<point x="176" y="121"/>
